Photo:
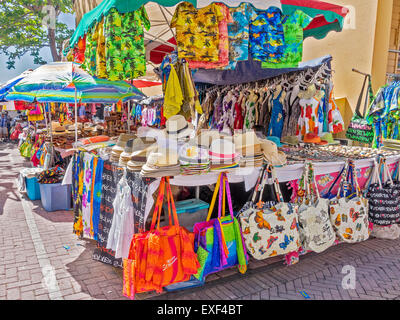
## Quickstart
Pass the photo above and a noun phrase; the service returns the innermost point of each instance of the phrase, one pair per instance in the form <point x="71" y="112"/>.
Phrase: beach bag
<point x="349" y="209"/>
<point x="391" y="232"/>
<point x="218" y="242"/>
<point x="26" y="148"/>
<point x="271" y="231"/>
<point x="316" y="231"/>
<point x="359" y="129"/>
<point x="161" y="256"/>
<point x="383" y="197"/>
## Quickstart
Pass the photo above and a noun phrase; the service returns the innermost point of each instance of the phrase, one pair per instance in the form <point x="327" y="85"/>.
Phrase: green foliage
<point x="22" y="31"/>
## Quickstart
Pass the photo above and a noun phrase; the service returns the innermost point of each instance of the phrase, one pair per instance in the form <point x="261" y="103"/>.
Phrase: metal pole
<point x="51" y="127"/>
<point x="129" y="116"/>
<point x="76" y="118"/>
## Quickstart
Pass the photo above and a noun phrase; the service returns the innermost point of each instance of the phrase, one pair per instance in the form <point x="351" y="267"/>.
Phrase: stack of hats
<point x="193" y="159"/>
<point x="249" y="146"/>
<point x="126" y="155"/>
<point x="223" y="155"/>
<point x="163" y="163"/>
<point x="138" y="156"/>
<point x="120" y="146"/>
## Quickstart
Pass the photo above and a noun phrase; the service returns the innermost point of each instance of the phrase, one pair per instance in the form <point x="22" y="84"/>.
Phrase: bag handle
<point x="157" y="209"/>
<point x="211" y="208"/>
<point x="228" y="195"/>
<point x="386" y="174"/>
<point x="277" y="187"/>
<point x="360" y="98"/>
<point x="172" y="202"/>
<point x="258" y="184"/>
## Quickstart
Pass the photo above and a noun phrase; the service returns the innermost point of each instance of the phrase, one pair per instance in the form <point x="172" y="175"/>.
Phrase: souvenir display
<point x="316" y="231"/>
<point x="360" y="129"/>
<point x="349" y="209"/>
<point x="271" y="231"/>
<point x="162" y="255"/>
<point x="383" y="197"/>
<point x="219" y="244"/>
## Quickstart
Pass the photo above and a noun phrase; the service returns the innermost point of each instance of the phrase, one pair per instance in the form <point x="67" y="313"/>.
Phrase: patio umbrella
<point x="4" y="88"/>
<point x="67" y="82"/>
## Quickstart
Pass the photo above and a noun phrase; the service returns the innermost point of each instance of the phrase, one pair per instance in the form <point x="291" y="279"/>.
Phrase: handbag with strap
<point x="271" y="231"/>
<point x="218" y="242"/>
<point x="316" y="231"/>
<point x="383" y="196"/>
<point x="162" y="255"/>
<point x="349" y="209"/>
<point x="359" y="128"/>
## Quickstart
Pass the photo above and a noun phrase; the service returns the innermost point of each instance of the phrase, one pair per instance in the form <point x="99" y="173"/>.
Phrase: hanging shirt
<point x="223" y="48"/>
<point x="267" y="42"/>
<point x="238" y="32"/>
<point x="197" y="31"/>
<point x="125" y="51"/>
<point x="308" y="121"/>
<point x="293" y="33"/>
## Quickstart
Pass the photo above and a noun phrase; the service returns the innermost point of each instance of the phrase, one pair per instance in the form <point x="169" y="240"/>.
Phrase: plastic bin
<point x="189" y="212"/>
<point x="55" y="196"/>
<point x="32" y="188"/>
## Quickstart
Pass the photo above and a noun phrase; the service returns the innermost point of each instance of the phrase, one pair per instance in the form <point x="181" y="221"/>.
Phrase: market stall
<point x="242" y="119"/>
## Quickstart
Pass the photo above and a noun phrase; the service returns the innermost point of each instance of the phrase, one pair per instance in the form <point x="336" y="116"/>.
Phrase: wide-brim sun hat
<point x="223" y="150"/>
<point x="177" y="127"/>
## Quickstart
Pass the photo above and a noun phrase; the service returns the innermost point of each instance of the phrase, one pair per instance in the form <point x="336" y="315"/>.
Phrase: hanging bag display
<point x="271" y="231"/>
<point x="349" y="213"/>
<point x="383" y="197"/>
<point x="359" y="129"/>
<point x="162" y="255"/>
<point x="218" y="242"/>
<point x="316" y="231"/>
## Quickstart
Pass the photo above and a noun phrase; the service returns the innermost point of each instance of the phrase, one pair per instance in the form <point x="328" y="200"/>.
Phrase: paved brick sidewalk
<point x="32" y="249"/>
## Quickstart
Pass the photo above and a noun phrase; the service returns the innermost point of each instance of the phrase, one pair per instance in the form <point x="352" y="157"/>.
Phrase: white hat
<point x="177" y="126"/>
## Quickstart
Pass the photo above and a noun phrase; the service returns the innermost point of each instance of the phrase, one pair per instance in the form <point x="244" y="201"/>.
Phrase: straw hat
<point x="177" y="127"/>
<point x="314" y="138"/>
<point x="271" y="153"/>
<point x="193" y="154"/>
<point x="223" y="151"/>
<point x="205" y="137"/>
<point x="161" y="163"/>
<point x="291" y="140"/>
<point x="328" y="137"/>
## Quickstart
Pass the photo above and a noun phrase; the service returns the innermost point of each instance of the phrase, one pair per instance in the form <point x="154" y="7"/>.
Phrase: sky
<point x="27" y="61"/>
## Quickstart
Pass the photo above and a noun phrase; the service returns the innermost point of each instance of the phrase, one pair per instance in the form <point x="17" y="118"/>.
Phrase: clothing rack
<point x="304" y="78"/>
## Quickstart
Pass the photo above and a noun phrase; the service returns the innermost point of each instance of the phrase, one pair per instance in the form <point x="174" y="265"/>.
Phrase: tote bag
<point x="359" y="129"/>
<point x="162" y="255"/>
<point x="316" y="231"/>
<point x="349" y="213"/>
<point x="383" y="197"/>
<point x="218" y="242"/>
<point x="271" y="231"/>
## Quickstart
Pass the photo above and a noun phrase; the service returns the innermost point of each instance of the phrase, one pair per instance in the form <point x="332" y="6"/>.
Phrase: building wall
<point x="394" y="38"/>
<point x="351" y="48"/>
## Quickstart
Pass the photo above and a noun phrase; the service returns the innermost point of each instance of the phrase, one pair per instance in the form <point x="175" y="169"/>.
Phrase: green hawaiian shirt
<point x="293" y="32"/>
<point x="125" y="50"/>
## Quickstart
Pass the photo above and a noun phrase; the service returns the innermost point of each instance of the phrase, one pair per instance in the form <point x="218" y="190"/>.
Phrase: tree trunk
<point x="53" y="46"/>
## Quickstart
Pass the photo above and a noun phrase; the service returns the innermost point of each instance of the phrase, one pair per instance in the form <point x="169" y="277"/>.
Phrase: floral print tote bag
<point x="316" y="231"/>
<point x="349" y="214"/>
<point x="270" y="231"/>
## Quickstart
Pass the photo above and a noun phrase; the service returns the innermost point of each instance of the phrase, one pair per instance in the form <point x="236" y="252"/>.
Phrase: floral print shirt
<point x="197" y="32"/>
<point x="238" y="32"/>
<point x="267" y="42"/>
<point x="293" y="32"/>
<point x="125" y="51"/>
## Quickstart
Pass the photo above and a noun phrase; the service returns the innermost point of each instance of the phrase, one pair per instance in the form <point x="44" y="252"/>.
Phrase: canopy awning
<point x="327" y="17"/>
